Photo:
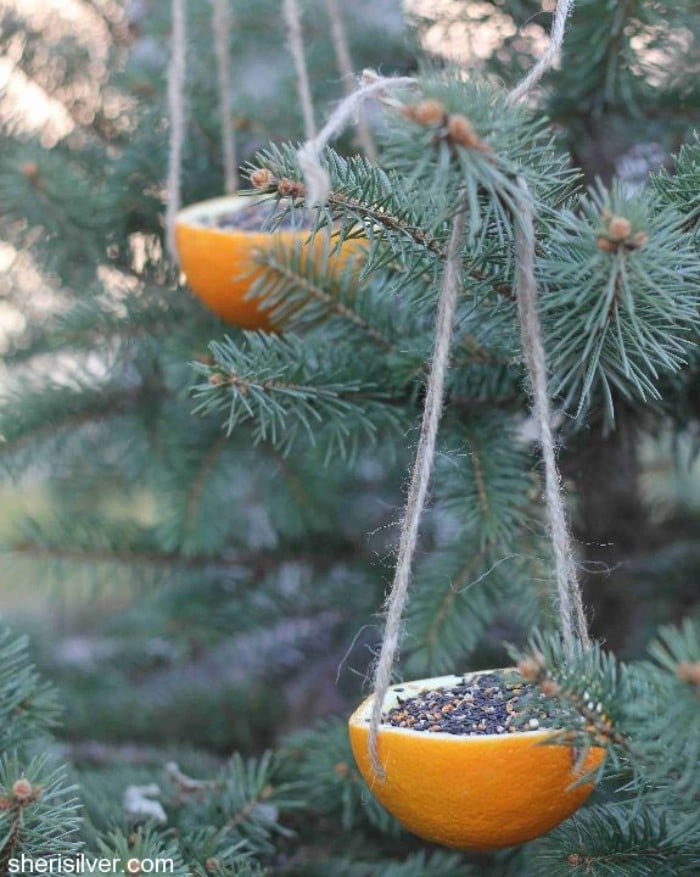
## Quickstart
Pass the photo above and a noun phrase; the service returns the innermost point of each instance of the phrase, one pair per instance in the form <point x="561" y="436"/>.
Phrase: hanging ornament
<point x="471" y="788"/>
<point x="217" y="243"/>
<point x="488" y="787"/>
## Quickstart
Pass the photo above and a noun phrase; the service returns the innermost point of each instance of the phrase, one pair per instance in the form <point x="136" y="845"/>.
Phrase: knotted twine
<point x="316" y="180"/>
<point x="345" y="68"/>
<point x="556" y="39"/>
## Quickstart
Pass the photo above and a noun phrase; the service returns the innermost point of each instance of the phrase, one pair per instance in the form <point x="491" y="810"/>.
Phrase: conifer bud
<point x="262" y="178"/>
<point x="605" y="244"/>
<point x="290" y="188"/>
<point x="574" y="859"/>
<point x="216" y="378"/>
<point x="22" y="790"/>
<point x="689" y="671"/>
<point x="638" y="240"/>
<point x="342" y="769"/>
<point x="529" y="669"/>
<point x="619" y="228"/>
<point x="550" y="687"/>
<point x="211" y="864"/>
<point x="30" y="169"/>
<point x="461" y="131"/>
<point x="428" y="112"/>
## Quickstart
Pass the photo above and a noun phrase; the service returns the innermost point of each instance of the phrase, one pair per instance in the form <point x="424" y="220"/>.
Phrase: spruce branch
<point x="616" y="840"/>
<point x="245" y="804"/>
<point x="321" y="764"/>
<point x="619" y="301"/>
<point x="387" y="209"/>
<point x="274" y="382"/>
<point x="38" y="809"/>
<point x="681" y="189"/>
<point x="300" y="292"/>
<point x="485" y="483"/>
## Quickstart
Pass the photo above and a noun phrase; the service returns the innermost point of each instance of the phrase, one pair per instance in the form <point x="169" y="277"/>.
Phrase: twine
<point x="316" y="179"/>
<point x="556" y="39"/>
<point x="425" y="452"/>
<point x="572" y="618"/>
<point x="176" y="109"/>
<point x="345" y="68"/>
<point x="296" y="45"/>
<point x="221" y="26"/>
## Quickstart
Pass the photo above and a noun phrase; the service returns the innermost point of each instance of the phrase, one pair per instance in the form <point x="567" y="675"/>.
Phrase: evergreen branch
<point x="45" y="413"/>
<point x="321" y="763"/>
<point x="457" y="593"/>
<point x="616" y="840"/>
<point x="592" y="684"/>
<point x="28" y="707"/>
<point x="38" y="809"/>
<point x="301" y="291"/>
<point x="681" y="190"/>
<point x="369" y="202"/>
<point x="486" y="484"/>
<point x="378" y="217"/>
<point x="245" y="803"/>
<point x="274" y="382"/>
<point x="620" y="300"/>
<point x="196" y="488"/>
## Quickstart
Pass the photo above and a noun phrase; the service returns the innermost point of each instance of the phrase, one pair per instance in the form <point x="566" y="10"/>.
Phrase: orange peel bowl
<point x="219" y="262"/>
<point x="479" y="792"/>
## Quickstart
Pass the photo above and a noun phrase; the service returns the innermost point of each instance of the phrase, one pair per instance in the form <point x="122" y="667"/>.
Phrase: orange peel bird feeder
<point x="219" y="242"/>
<point x="480" y="791"/>
<point x="475" y="790"/>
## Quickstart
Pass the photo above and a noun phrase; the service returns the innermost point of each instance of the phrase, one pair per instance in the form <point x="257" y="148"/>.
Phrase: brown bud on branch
<point x="262" y="178"/>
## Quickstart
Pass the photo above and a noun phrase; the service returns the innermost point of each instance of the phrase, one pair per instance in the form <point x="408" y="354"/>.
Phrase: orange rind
<point x="478" y="792"/>
<point x="220" y="265"/>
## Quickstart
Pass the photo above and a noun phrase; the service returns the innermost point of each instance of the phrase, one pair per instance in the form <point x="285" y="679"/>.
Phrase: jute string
<point x="296" y="46"/>
<point x="556" y="40"/>
<point x="420" y="478"/>
<point x="316" y="179"/>
<point x="176" y="109"/>
<point x="221" y="26"/>
<point x="345" y="68"/>
<point x="572" y="620"/>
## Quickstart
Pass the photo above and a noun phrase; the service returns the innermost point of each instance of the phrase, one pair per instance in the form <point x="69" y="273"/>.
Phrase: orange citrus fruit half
<point x="218" y="258"/>
<point x="479" y="792"/>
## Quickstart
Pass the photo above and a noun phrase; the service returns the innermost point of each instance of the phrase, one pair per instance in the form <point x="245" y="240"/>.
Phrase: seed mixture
<point x="487" y="703"/>
<point x="264" y="215"/>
